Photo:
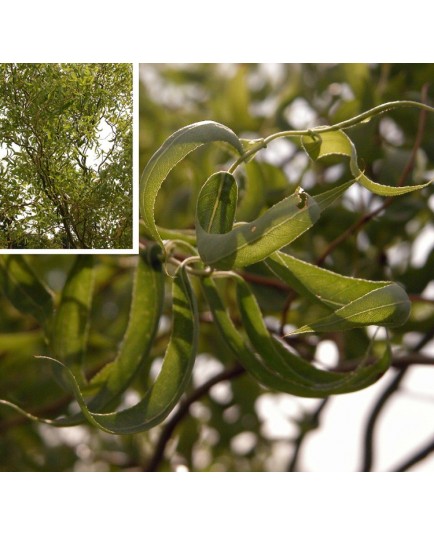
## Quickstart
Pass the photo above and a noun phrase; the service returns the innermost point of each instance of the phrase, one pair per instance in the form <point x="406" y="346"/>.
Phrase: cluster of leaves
<point x="214" y="290"/>
<point x="348" y="302"/>
<point x="66" y="156"/>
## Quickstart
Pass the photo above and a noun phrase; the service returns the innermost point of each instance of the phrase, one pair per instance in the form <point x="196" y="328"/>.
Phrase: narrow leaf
<point x="388" y="191"/>
<point x="24" y="289"/>
<point x="145" y="311"/>
<point x="321" y="145"/>
<point x="355" y="302"/>
<point x="218" y="202"/>
<point x="170" y="384"/>
<point x="250" y="242"/>
<point x="223" y="247"/>
<point x="253" y="193"/>
<point x="175" y="373"/>
<point x="297" y="380"/>
<point x="72" y="316"/>
<point x="388" y="306"/>
<point x="286" y="363"/>
<point x="318" y="284"/>
<point x="173" y="150"/>
<point x="264" y="343"/>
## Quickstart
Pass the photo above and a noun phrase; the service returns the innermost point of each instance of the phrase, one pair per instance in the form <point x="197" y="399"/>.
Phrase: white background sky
<point x="226" y="31"/>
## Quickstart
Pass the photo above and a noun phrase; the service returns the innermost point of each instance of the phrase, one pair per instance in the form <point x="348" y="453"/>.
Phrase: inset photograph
<point x="66" y="156"/>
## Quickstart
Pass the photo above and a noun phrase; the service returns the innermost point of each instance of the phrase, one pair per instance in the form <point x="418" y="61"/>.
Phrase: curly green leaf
<point x="173" y="150"/>
<point x="169" y="385"/>
<point x="245" y="244"/>
<point x="388" y="306"/>
<point x="145" y="311"/>
<point x="355" y="302"/>
<point x="24" y="289"/>
<point x="320" y="145"/>
<point x="71" y="320"/>
<point x="292" y="375"/>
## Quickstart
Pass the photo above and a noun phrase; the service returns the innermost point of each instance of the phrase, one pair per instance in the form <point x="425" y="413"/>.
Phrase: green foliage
<point x="354" y="302"/>
<point x="173" y="150"/>
<point x="65" y="156"/>
<point x="250" y="242"/>
<point x="230" y="272"/>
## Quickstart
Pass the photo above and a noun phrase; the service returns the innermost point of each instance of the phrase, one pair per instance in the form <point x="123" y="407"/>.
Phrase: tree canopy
<point x="66" y="156"/>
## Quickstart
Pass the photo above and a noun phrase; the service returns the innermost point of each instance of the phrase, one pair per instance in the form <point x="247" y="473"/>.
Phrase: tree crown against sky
<point x="66" y="156"/>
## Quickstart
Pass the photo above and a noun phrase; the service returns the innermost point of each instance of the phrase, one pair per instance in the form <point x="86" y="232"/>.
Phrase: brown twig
<point x="415" y="458"/>
<point x="412" y="358"/>
<point x="284" y="314"/>
<point x="183" y="411"/>
<point x="391" y="388"/>
<point x="310" y="423"/>
<point x="265" y="281"/>
<point x="368" y="444"/>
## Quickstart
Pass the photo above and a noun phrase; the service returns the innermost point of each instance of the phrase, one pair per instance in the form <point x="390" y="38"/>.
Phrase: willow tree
<point x="276" y="275"/>
<point x="66" y="155"/>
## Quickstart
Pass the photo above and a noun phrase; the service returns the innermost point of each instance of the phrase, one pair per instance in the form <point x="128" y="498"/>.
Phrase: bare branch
<point x="415" y="458"/>
<point x="183" y="411"/>
<point x="310" y="422"/>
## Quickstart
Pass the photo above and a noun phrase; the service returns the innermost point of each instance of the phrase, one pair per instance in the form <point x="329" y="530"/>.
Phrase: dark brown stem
<point x="415" y="458"/>
<point x="183" y="411"/>
<point x="412" y="358"/>
<point x="265" y="281"/>
<point x="368" y="444"/>
<point x="284" y="315"/>
<point x="310" y="423"/>
<point x="419" y="298"/>
<point x="392" y="388"/>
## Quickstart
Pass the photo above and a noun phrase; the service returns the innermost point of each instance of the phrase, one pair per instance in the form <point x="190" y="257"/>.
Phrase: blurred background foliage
<point x="237" y="425"/>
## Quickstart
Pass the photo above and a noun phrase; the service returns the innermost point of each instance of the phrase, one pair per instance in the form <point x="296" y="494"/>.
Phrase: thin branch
<point x="183" y="411"/>
<point x="284" y="315"/>
<point x="412" y="358"/>
<point x="392" y="387"/>
<point x="368" y="443"/>
<point x="265" y="281"/>
<point x="415" y="458"/>
<point x="419" y="298"/>
<point x="378" y="110"/>
<point x="310" y="423"/>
